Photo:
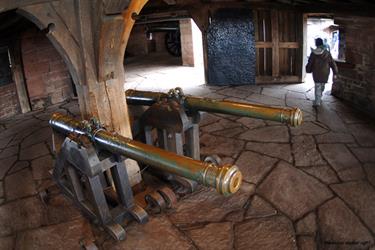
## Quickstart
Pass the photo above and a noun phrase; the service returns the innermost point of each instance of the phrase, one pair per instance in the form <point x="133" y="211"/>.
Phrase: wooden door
<point x="279" y="42"/>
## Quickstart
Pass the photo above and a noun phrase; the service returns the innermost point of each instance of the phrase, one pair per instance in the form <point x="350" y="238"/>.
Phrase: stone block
<point x="343" y="161"/>
<point x="365" y="155"/>
<point x="61" y="236"/>
<point x="254" y="166"/>
<point x="267" y="134"/>
<point x="212" y="206"/>
<point x="221" y="146"/>
<point x="5" y="165"/>
<point x="217" y="236"/>
<point x="265" y="233"/>
<point x="305" y="151"/>
<point x="7" y="243"/>
<point x="19" y="184"/>
<point x="277" y="150"/>
<point x="306" y="243"/>
<point x="307" y="225"/>
<point x="158" y="233"/>
<point x="360" y="196"/>
<point x="20" y="215"/>
<point x="292" y="191"/>
<point x="41" y="166"/>
<point x="335" y="218"/>
<point x="323" y="173"/>
<point x="370" y="171"/>
<point x="259" y="208"/>
<point x="34" y="151"/>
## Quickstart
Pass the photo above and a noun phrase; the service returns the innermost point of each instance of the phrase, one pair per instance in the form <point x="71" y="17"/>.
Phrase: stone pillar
<point x="191" y="43"/>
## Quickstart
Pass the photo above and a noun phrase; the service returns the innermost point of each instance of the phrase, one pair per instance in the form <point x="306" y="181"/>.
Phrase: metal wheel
<point x="139" y="214"/>
<point x="169" y="196"/>
<point x="44" y="196"/>
<point x="185" y="186"/>
<point x="116" y="231"/>
<point x="88" y="245"/>
<point x="214" y="159"/>
<point x="173" y="42"/>
<point x="155" y="202"/>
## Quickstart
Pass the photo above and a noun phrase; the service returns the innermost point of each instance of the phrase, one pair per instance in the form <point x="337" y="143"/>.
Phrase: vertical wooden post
<point x="304" y="47"/>
<point x="200" y="13"/>
<point x="275" y="43"/>
<point x="187" y="44"/>
<point x="18" y="77"/>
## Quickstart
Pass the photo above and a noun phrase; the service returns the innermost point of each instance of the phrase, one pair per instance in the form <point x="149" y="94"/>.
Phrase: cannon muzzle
<point x="225" y="179"/>
<point x="291" y="116"/>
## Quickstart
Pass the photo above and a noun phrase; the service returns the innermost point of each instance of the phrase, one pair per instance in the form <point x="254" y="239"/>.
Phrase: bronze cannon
<point x="225" y="179"/>
<point x="291" y="116"/>
<point x="90" y="169"/>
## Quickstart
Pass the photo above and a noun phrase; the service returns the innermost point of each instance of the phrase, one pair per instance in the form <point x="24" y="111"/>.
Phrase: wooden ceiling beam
<point x="6" y="5"/>
<point x="170" y="2"/>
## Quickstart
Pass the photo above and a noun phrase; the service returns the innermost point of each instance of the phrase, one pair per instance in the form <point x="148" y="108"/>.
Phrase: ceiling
<point x="361" y="7"/>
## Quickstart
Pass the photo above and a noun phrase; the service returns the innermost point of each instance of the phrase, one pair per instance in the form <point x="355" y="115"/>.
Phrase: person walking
<point x="319" y="64"/>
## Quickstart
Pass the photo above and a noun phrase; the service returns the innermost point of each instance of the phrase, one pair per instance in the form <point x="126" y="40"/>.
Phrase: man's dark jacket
<point x="320" y="61"/>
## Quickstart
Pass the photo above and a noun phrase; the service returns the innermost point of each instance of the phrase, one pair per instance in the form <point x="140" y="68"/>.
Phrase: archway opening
<point x="33" y="74"/>
<point x="323" y="27"/>
<point x="164" y="51"/>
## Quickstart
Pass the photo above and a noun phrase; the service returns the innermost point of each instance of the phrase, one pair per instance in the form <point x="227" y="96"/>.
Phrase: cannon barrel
<point x="292" y="116"/>
<point x="226" y="179"/>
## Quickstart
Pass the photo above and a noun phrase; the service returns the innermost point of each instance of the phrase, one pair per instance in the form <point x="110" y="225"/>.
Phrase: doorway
<point x="325" y="28"/>
<point x="164" y="53"/>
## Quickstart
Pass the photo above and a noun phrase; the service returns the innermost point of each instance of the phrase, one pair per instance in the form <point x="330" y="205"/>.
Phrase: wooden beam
<point x="275" y="43"/>
<point x="274" y="80"/>
<point x="109" y="38"/>
<point x="6" y="5"/>
<point x="18" y="77"/>
<point x="170" y="2"/>
<point x="134" y="8"/>
<point x="111" y="74"/>
<point x="289" y="45"/>
<point x="263" y="45"/>
<point x="303" y="53"/>
<point x="115" y="6"/>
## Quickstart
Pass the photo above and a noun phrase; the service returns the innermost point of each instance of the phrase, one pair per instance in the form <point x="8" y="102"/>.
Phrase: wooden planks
<point x="279" y="43"/>
<point x="275" y="43"/>
<point x="18" y="77"/>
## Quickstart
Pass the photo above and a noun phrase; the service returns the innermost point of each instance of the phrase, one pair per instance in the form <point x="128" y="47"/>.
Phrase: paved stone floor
<point x="310" y="187"/>
<point x="160" y="71"/>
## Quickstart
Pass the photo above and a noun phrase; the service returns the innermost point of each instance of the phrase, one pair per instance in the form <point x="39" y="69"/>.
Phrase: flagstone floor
<point x="310" y="187"/>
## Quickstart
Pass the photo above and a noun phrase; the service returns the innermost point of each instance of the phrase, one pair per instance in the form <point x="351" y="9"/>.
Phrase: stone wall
<point x="8" y="100"/>
<point x="356" y="80"/>
<point x="46" y="74"/>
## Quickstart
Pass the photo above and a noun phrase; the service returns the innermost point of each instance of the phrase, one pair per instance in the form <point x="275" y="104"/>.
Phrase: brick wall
<point x="138" y="45"/>
<point x="8" y="100"/>
<point x="187" y="49"/>
<point x="356" y="80"/>
<point x="191" y="43"/>
<point x="47" y="78"/>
